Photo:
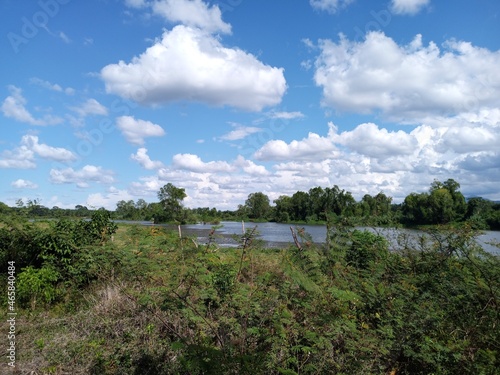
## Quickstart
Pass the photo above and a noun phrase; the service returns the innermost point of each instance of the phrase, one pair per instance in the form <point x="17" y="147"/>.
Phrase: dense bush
<point x="168" y="305"/>
<point x="47" y="254"/>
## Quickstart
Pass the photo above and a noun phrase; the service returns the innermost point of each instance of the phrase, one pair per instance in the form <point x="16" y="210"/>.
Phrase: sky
<point x="109" y="100"/>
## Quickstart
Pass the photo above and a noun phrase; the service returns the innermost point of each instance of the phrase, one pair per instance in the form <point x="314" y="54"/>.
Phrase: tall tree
<point x="317" y="202"/>
<point x="447" y="207"/>
<point x="258" y="205"/>
<point x="171" y="198"/>
<point x="416" y="208"/>
<point x="300" y="205"/>
<point x="441" y="206"/>
<point x="283" y="209"/>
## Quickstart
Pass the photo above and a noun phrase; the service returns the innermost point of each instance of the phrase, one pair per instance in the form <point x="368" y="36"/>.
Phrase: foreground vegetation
<point x="94" y="298"/>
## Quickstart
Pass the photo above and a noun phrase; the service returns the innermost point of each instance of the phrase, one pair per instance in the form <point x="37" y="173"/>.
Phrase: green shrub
<point x="365" y="248"/>
<point x="34" y="285"/>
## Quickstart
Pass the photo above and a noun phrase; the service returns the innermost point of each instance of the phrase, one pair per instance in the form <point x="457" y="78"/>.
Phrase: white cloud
<point x="90" y="107"/>
<point x="408" y="6"/>
<point x="19" y="158"/>
<point x="483" y="162"/>
<point x="23" y="157"/>
<point x="194" y="13"/>
<point x="396" y="162"/>
<point x="14" y="106"/>
<point x="239" y="132"/>
<point x="286" y="115"/>
<point x="109" y="199"/>
<point x="47" y="152"/>
<point x="194" y="163"/>
<point x="144" y="160"/>
<point x="369" y="140"/>
<point x="407" y="83"/>
<point x="24" y="184"/>
<point x="469" y="139"/>
<point x="250" y="168"/>
<point x="312" y="147"/>
<point x="135" y="131"/>
<point x="330" y="6"/>
<point x="189" y="64"/>
<point x="82" y="177"/>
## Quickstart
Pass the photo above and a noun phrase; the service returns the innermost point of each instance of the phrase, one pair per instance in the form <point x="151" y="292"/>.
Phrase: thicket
<point x="149" y="302"/>
<point x="54" y="256"/>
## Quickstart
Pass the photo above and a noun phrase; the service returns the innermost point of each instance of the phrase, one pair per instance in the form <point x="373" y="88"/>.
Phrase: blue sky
<point x="108" y="100"/>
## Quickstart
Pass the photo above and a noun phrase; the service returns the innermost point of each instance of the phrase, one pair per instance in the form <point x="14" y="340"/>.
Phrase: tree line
<point x="442" y="204"/>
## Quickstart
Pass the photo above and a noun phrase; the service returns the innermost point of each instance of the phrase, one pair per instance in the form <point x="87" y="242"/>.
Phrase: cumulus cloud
<point x="407" y="83"/>
<point x="330" y="6"/>
<point x="135" y="131"/>
<point x="19" y="158"/>
<point x="23" y="157"/>
<point x="369" y="140"/>
<point x="14" y="106"/>
<point x="45" y="151"/>
<point x="469" y="139"/>
<point x="194" y="163"/>
<point x="81" y="177"/>
<point x="488" y="162"/>
<point x="194" y="13"/>
<point x="250" y="167"/>
<point x="408" y="6"/>
<point x="24" y="184"/>
<point x="142" y="157"/>
<point x="190" y="64"/>
<point x="312" y="147"/>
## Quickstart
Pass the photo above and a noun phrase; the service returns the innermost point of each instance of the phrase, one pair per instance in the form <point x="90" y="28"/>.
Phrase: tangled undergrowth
<point x="149" y="302"/>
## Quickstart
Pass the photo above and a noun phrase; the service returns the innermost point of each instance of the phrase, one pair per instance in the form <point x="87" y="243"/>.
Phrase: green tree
<point x="317" y="203"/>
<point x="81" y="211"/>
<point x="339" y="202"/>
<point x="441" y="206"/>
<point x="125" y="209"/>
<point x="459" y="206"/>
<point x="299" y="206"/>
<point x="171" y="198"/>
<point x="258" y="205"/>
<point x="416" y="208"/>
<point x="283" y="209"/>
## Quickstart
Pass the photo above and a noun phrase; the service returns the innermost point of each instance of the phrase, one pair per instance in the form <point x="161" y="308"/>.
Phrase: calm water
<point x="275" y="232"/>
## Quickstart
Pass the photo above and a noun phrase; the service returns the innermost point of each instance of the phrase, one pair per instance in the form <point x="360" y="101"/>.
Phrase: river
<point x="280" y="233"/>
